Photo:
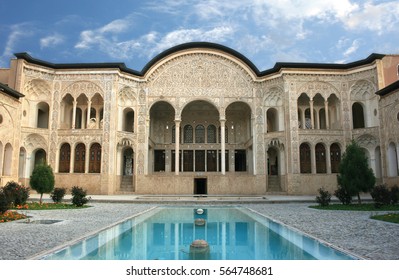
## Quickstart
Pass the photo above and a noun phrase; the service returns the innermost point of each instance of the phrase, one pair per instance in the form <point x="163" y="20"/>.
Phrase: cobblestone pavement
<point x="349" y="230"/>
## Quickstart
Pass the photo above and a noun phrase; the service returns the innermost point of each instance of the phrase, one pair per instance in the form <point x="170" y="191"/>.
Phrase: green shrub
<point x="79" y="196"/>
<point x="381" y="195"/>
<point x="324" y="198"/>
<point x="42" y="179"/>
<point x="16" y="193"/>
<point x="4" y="202"/>
<point x="343" y="195"/>
<point x="394" y="194"/>
<point x="58" y="194"/>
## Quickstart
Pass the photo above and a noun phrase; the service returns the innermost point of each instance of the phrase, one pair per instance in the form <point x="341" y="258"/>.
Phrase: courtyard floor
<point x="352" y="231"/>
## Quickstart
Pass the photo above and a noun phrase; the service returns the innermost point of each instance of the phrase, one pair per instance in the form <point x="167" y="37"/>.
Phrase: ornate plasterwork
<point x="37" y="89"/>
<point x="367" y="141"/>
<point x="274" y="97"/>
<point x="362" y="90"/>
<point x="200" y="75"/>
<point x="127" y="97"/>
<point x="87" y="87"/>
<point x="33" y="142"/>
<point x="314" y="87"/>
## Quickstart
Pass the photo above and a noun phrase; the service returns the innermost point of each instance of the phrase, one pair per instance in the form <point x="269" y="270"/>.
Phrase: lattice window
<point x="188" y="134"/>
<point x="200" y="134"/>
<point x="211" y="137"/>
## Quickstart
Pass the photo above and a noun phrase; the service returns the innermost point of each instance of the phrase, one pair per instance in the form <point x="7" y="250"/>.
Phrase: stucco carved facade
<point x="237" y="130"/>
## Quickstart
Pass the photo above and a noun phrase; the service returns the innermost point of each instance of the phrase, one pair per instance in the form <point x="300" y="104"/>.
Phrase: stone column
<point x="87" y="158"/>
<point x="177" y="146"/>
<point x="72" y="162"/>
<point x="311" y="114"/>
<point x="328" y="159"/>
<point x="75" y="103"/>
<point x="223" y="145"/>
<point x="88" y="114"/>
<point x="97" y="118"/>
<point x="326" y="113"/>
<point x="313" y="159"/>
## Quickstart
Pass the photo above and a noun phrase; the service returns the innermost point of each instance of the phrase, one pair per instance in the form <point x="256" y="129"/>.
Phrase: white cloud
<point x="51" y="40"/>
<point x="89" y="38"/>
<point x="218" y="34"/>
<point x="353" y="48"/>
<point x="375" y="17"/>
<point x="17" y="32"/>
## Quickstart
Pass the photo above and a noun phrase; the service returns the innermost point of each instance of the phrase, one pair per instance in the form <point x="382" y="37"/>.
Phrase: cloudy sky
<point x="134" y="31"/>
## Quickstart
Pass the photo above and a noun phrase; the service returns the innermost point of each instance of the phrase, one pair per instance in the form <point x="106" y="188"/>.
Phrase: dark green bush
<point x="16" y="193"/>
<point x="381" y="195"/>
<point x="4" y="202"/>
<point x="343" y="195"/>
<point x="394" y="194"/>
<point x="79" y="196"/>
<point x="58" y="194"/>
<point x="324" y="198"/>
<point x="42" y="179"/>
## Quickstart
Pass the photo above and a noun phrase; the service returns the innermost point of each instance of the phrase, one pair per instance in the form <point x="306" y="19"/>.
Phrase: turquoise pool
<point x="230" y="233"/>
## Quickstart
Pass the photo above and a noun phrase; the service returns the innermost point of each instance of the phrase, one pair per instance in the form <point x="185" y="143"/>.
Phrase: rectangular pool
<point x="225" y="233"/>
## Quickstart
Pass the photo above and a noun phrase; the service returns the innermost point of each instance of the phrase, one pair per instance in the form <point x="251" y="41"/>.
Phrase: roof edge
<point x="192" y="45"/>
<point x="12" y="92"/>
<point x="388" y="89"/>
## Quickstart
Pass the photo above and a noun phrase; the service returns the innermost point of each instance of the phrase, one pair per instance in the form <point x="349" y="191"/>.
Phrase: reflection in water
<point x="231" y="233"/>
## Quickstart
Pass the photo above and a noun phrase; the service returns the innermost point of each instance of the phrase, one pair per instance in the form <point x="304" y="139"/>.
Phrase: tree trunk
<point x="359" y="199"/>
<point x="40" y="201"/>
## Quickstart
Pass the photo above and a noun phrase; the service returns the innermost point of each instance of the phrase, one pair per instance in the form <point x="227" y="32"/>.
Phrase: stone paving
<point x="349" y="230"/>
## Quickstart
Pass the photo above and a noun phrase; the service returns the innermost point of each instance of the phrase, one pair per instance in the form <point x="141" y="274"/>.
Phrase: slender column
<point x="326" y="112"/>
<point x="223" y="145"/>
<point x="328" y="158"/>
<point x="88" y="113"/>
<point x="317" y="120"/>
<point x="72" y="162"/>
<point x="87" y="158"/>
<point x="97" y="118"/>
<point x="311" y="114"/>
<point x="75" y="103"/>
<point x="177" y="146"/>
<point x="313" y="159"/>
<point x="303" y="119"/>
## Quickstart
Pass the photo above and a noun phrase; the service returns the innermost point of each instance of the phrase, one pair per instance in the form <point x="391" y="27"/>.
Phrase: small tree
<point x="355" y="176"/>
<point x="42" y="179"/>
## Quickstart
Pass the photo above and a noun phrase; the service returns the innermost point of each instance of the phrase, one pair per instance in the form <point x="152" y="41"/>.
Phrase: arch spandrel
<point x="83" y="87"/>
<point x="200" y="74"/>
<point x="314" y="87"/>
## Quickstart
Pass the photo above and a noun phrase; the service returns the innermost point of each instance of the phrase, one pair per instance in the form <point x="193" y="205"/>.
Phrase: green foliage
<point x="343" y="195"/>
<point x="42" y="179"/>
<point x="354" y="174"/>
<point x="79" y="196"/>
<point x="394" y="194"/>
<point x="58" y="194"/>
<point x="324" y="198"/>
<point x="16" y="193"/>
<point x="381" y="195"/>
<point x="4" y="202"/>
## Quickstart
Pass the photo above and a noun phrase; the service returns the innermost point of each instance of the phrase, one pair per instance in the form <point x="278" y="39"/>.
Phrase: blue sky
<point x="134" y="31"/>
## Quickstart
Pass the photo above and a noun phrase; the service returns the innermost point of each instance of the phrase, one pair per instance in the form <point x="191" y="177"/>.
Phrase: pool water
<point x="166" y="233"/>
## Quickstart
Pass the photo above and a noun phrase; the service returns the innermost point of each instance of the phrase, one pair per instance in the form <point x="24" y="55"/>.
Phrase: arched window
<point x="40" y="157"/>
<point x="305" y="159"/>
<point x="78" y="118"/>
<point x="320" y="158"/>
<point x="357" y="115"/>
<point x="272" y="120"/>
<point x="335" y="157"/>
<point x="7" y="160"/>
<point x="200" y="134"/>
<point x="188" y="134"/>
<point x="128" y="120"/>
<point x="65" y="158"/>
<point x="392" y="160"/>
<point x="42" y="115"/>
<point x="95" y="158"/>
<point x="211" y="137"/>
<point x="80" y="157"/>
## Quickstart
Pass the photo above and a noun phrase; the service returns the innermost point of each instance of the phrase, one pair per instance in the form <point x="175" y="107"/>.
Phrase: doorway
<point x="200" y="186"/>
